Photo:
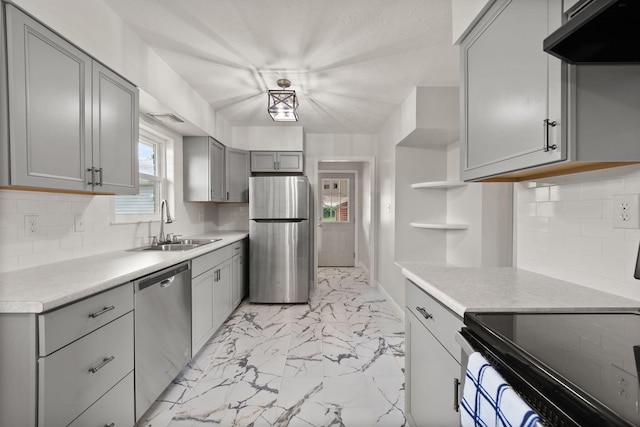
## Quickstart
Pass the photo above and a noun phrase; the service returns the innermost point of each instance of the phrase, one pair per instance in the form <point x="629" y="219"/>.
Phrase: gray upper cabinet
<point x="115" y="131"/>
<point x="73" y="124"/>
<point x="526" y="114"/>
<point x="277" y="161"/>
<point x="203" y="172"/>
<point x="510" y="87"/>
<point x="236" y="175"/>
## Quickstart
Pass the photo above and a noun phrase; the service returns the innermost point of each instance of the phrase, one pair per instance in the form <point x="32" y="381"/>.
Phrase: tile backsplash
<point x="56" y="238"/>
<point x="564" y="230"/>
<point x="233" y="216"/>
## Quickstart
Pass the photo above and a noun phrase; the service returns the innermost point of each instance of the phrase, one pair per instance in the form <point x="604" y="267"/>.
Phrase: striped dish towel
<point x="488" y="401"/>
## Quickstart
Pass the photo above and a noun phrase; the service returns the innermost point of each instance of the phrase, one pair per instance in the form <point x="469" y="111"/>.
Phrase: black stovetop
<point x="596" y="354"/>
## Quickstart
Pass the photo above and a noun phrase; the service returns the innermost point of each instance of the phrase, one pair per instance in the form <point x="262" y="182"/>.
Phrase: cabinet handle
<point x="424" y="313"/>
<point x="101" y="364"/>
<point x="93" y="176"/>
<point x="101" y="312"/>
<point x="456" y="394"/>
<point x="227" y="195"/>
<point x="110" y="425"/>
<point x="100" y="182"/>
<point x="547" y="125"/>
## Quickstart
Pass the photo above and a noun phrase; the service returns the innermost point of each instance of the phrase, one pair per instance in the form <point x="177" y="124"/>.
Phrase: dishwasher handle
<point x="164" y="277"/>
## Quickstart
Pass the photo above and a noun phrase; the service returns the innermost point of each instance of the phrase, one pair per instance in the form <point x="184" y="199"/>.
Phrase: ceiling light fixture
<point x="283" y="103"/>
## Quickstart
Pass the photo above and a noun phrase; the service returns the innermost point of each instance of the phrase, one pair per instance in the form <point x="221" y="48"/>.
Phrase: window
<point x="335" y="200"/>
<point x="145" y="206"/>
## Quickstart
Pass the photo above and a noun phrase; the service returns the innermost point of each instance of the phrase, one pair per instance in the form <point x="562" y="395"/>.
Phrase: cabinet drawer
<point x="441" y="322"/>
<point x="74" y="377"/>
<point x="208" y="261"/>
<point x="60" y="327"/>
<point x="114" y="408"/>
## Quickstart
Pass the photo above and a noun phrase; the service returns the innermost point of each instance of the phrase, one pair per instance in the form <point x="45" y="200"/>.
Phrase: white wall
<point x="564" y="230"/>
<point x="57" y="240"/>
<point x="389" y="276"/>
<point x="283" y="138"/>
<point x="487" y="209"/>
<point x="419" y="205"/>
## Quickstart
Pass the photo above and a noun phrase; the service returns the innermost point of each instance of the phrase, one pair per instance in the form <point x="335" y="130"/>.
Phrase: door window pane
<point x="335" y="200"/>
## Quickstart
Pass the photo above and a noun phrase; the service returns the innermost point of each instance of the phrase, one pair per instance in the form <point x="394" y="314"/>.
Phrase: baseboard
<point x="388" y="297"/>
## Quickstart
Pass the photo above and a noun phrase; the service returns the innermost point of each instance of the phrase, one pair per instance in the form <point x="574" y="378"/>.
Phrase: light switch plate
<point x="626" y="211"/>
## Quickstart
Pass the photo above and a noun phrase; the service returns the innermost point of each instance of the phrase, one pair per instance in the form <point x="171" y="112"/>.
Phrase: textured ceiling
<point x="351" y="62"/>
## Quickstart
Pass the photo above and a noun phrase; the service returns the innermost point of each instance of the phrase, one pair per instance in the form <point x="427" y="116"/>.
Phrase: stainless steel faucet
<point x="163" y="205"/>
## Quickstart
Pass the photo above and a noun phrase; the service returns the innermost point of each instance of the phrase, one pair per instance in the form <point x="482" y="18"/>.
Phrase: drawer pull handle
<point x="110" y="425"/>
<point x="424" y="313"/>
<point x="101" y="312"/>
<point x="101" y="364"/>
<point x="456" y="394"/>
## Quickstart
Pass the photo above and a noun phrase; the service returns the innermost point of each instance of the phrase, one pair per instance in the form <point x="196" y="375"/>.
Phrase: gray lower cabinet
<point x="238" y="287"/>
<point x="526" y="112"/>
<point x="203" y="169"/>
<point x="277" y="161"/>
<point x="73" y="123"/>
<point x="216" y="280"/>
<point x="432" y="361"/>
<point x="81" y="369"/>
<point x="236" y="175"/>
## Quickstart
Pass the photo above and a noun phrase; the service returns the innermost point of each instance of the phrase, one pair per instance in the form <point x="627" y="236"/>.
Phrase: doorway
<point x="337" y="216"/>
<point x="362" y="207"/>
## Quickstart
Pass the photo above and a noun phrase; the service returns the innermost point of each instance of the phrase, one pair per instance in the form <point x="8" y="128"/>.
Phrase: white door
<point x="337" y="213"/>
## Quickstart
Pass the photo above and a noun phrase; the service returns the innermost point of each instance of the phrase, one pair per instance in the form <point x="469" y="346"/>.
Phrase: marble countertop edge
<point x="42" y="288"/>
<point x="492" y="289"/>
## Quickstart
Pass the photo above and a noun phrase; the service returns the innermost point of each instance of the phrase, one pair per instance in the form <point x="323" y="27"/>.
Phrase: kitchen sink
<point x="179" y="245"/>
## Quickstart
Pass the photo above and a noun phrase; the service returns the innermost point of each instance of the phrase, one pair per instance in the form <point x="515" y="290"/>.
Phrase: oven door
<point x="557" y="402"/>
<point x="470" y="346"/>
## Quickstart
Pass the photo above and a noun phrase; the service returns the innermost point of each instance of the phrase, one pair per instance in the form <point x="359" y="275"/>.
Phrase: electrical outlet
<point x="31" y="225"/>
<point x="78" y="223"/>
<point x="626" y="211"/>
<point x="625" y="387"/>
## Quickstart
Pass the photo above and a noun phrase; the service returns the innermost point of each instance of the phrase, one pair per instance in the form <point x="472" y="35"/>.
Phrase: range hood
<point x="598" y="32"/>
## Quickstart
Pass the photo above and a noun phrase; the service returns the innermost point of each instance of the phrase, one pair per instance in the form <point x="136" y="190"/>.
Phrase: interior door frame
<point x="373" y="211"/>
<point x="356" y="194"/>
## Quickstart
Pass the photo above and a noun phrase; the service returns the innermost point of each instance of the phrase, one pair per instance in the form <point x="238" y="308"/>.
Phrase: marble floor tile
<point x="337" y="361"/>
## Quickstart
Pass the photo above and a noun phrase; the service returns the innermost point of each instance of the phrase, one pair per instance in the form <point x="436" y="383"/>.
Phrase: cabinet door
<point x="430" y="370"/>
<point x="216" y="171"/>
<point x="236" y="280"/>
<point x="202" y="310"/>
<point x="290" y="161"/>
<point x="236" y="175"/>
<point x="510" y="87"/>
<point x="222" y="293"/>
<point x="115" y="132"/>
<point x="49" y="87"/>
<point x="263" y="161"/>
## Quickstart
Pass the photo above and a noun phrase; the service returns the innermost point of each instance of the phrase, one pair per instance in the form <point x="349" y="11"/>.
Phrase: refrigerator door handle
<point x="279" y="220"/>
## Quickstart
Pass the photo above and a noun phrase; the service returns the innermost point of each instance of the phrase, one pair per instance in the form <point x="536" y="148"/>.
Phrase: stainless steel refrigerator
<point x="279" y="241"/>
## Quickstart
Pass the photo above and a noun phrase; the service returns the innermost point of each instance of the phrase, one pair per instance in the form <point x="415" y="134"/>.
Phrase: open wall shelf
<point x="440" y="226"/>
<point x="438" y="184"/>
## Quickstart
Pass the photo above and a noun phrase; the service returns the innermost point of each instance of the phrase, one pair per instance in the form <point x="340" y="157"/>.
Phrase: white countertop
<point x="503" y="289"/>
<point x="42" y="288"/>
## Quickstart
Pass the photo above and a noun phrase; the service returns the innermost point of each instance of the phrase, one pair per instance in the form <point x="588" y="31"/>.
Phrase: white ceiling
<point x="351" y="62"/>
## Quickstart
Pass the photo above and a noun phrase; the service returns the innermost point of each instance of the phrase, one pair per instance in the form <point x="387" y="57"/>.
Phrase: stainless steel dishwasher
<point x="162" y="331"/>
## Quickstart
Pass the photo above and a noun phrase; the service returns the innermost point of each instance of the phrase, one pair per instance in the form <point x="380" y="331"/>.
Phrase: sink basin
<point x="180" y="245"/>
<point x="171" y="247"/>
